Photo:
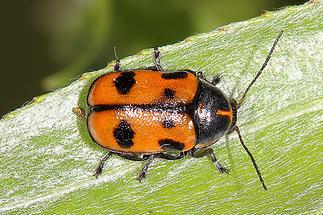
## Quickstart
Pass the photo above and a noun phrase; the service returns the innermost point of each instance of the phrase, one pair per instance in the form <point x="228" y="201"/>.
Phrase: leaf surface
<point x="47" y="158"/>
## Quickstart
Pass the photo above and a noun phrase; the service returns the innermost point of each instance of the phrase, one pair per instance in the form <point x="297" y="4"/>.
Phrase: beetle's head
<point x="234" y="106"/>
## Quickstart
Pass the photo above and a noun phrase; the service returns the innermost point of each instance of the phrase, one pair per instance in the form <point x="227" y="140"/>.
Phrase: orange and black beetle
<point x="144" y="114"/>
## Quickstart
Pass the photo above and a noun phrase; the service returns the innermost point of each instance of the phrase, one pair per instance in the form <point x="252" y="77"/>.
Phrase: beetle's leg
<point x="99" y="169"/>
<point x="170" y="156"/>
<point x="169" y="147"/>
<point x="153" y="68"/>
<point x="78" y="112"/>
<point x="133" y="157"/>
<point x="118" y="64"/>
<point x="190" y="71"/>
<point x="216" y="79"/>
<point x="199" y="153"/>
<point x="157" y="59"/>
<point x="201" y="75"/>
<point x="144" y="169"/>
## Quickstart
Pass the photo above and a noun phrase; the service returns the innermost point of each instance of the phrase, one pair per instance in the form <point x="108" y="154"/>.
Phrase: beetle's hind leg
<point x="157" y="59"/>
<point x="98" y="170"/>
<point x="199" y="153"/>
<point x="144" y="169"/>
<point x="117" y="66"/>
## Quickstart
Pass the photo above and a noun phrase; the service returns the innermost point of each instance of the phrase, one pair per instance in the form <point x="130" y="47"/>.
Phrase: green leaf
<point x="48" y="159"/>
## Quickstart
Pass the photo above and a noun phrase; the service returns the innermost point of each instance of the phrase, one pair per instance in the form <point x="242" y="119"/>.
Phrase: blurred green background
<point x="46" y="44"/>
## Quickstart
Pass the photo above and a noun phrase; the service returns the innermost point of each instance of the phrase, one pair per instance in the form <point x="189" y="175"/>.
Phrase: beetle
<point x="143" y="114"/>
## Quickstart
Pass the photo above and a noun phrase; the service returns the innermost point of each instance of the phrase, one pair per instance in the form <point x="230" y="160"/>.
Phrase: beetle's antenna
<point x="261" y="69"/>
<point x="251" y="157"/>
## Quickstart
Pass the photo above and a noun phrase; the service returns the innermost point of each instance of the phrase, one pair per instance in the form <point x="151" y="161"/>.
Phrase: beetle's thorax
<point x="213" y="114"/>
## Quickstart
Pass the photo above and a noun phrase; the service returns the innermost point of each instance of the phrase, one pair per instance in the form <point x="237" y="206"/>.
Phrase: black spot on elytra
<point x="169" y="93"/>
<point x="171" y="145"/>
<point x="174" y="75"/>
<point x="124" y="82"/>
<point x="168" y="123"/>
<point x="124" y="134"/>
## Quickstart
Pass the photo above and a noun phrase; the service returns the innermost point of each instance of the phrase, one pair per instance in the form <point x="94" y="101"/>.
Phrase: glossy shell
<point x="143" y="111"/>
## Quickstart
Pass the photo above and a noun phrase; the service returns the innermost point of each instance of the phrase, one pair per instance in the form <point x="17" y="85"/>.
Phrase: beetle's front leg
<point x="199" y="153"/>
<point x="201" y="75"/>
<point x="216" y="79"/>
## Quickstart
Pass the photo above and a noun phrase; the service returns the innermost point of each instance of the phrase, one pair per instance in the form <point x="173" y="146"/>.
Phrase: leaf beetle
<point x="143" y="114"/>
